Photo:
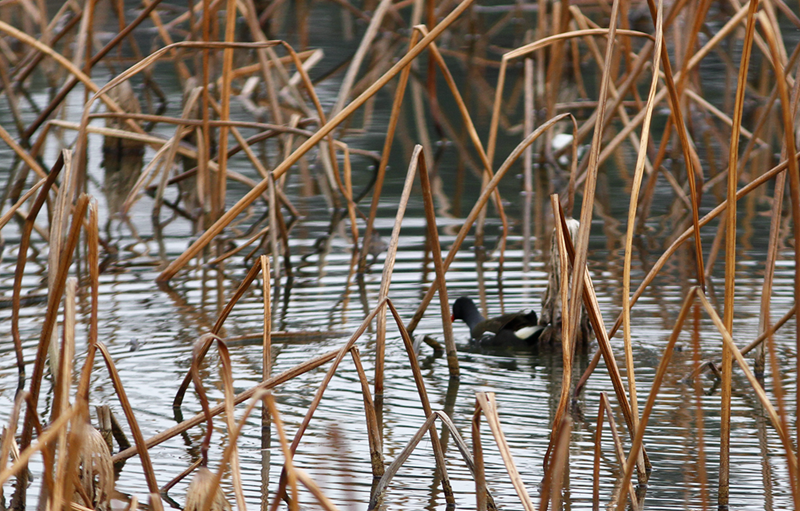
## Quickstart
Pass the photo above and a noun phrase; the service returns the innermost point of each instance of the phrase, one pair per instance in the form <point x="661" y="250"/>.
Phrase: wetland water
<point x="150" y="332"/>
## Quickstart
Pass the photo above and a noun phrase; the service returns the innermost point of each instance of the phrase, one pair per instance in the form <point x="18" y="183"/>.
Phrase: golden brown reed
<point x="300" y="129"/>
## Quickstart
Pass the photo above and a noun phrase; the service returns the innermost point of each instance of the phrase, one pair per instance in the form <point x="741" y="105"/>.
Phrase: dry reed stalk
<point x="291" y="473"/>
<point x="240" y="398"/>
<point x="433" y="237"/>
<point x="605" y="410"/>
<point x="327" y="128"/>
<point x="387" y="148"/>
<point x="48" y="327"/>
<point x="604" y="342"/>
<point x="788" y="109"/>
<point x="555" y="479"/>
<point x="488" y="404"/>
<point x="581" y="246"/>
<point x="438" y="452"/>
<point x="8" y="434"/>
<point x="230" y="454"/>
<point x="635" y="187"/>
<point x="19" y="269"/>
<point x="479" y="473"/>
<point x="140" y="447"/>
<point x="373" y="431"/>
<point x="783" y="432"/>
<point x="227" y="67"/>
<point x="486" y="192"/>
<point x="67" y="87"/>
<point x="637" y="443"/>
<point x="648" y="279"/>
<point x="57" y="237"/>
<point x="215" y="330"/>
<point x="568" y="336"/>
<point x="691" y="160"/>
<point x="772" y="252"/>
<point x="386" y="277"/>
<point x="730" y="258"/>
<point x="266" y="347"/>
<point x="351" y="206"/>
<point x="339" y="355"/>
<point x="22" y="200"/>
<point x="699" y="415"/>
<point x="392" y="469"/>
<point x="47" y="436"/>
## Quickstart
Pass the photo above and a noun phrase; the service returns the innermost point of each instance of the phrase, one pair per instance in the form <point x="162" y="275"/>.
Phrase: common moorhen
<point x="520" y="328"/>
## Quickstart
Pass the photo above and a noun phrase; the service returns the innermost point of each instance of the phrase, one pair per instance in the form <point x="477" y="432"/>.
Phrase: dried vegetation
<point x="221" y="52"/>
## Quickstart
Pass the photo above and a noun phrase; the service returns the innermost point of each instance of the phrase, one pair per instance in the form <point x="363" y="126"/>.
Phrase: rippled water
<point x="165" y="323"/>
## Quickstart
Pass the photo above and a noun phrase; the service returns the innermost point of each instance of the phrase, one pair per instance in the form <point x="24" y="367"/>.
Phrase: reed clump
<point x="250" y="83"/>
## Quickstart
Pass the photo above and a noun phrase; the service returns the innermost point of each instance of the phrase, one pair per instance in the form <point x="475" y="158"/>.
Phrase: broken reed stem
<point x="373" y="430"/>
<point x="433" y="240"/>
<point x="589" y="299"/>
<point x="487" y="402"/>
<point x="386" y="277"/>
<point x="426" y="406"/>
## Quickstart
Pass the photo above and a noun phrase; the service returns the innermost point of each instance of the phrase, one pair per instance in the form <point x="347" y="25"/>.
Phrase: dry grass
<point x="273" y="79"/>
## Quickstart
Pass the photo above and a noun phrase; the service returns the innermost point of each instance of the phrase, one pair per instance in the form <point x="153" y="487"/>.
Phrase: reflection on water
<point x="322" y="295"/>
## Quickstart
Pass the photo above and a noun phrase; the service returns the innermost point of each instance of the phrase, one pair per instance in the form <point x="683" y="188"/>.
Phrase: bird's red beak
<point x="452" y="317"/>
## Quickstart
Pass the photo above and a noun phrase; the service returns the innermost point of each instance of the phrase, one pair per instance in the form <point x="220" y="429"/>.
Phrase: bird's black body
<point x="517" y="329"/>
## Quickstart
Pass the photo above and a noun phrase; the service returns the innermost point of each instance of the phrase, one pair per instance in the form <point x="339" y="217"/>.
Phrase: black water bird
<point x="519" y="328"/>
